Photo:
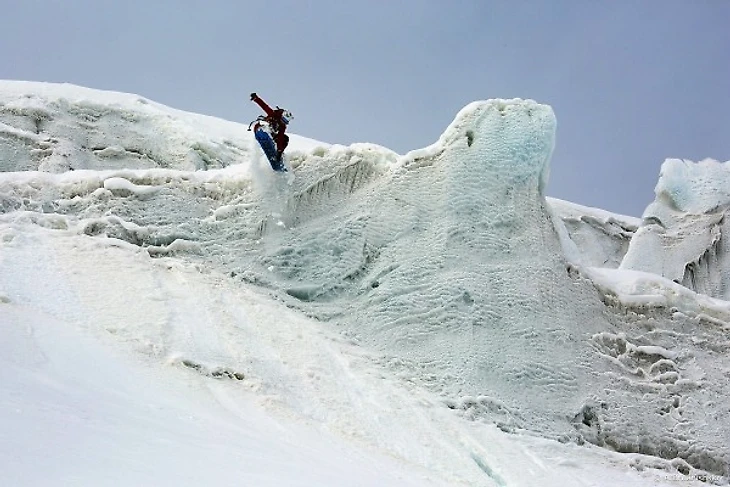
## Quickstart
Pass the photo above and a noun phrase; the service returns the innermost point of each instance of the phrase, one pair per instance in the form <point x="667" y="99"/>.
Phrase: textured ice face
<point x="510" y="150"/>
<point x="451" y="266"/>
<point x="693" y="187"/>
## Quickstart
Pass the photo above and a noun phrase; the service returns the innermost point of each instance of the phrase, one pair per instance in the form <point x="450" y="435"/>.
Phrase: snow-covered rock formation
<point x="447" y="265"/>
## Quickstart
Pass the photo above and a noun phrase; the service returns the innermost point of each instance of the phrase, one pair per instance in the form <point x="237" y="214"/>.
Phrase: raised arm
<point x="262" y="104"/>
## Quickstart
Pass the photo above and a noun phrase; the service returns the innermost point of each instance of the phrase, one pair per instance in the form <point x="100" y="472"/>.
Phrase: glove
<point x="254" y="96"/>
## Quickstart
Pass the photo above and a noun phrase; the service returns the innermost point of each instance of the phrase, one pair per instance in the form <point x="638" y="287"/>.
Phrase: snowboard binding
<point x="262" y="132"/>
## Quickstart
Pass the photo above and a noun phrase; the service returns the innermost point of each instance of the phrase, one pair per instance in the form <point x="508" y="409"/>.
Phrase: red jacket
<point x="273" y="117"/>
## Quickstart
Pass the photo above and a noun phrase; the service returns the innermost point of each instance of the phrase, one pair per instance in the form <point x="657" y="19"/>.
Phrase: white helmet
<point x="287" y="116"/>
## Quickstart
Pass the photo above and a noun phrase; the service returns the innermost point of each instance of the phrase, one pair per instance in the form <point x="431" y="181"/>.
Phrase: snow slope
<point x="120" y="368"/>
<point x="416" y="307"/>
<point x="74" y="412"/>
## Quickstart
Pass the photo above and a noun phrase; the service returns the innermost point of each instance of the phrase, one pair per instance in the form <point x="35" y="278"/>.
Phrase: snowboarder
<point x="270" y="132"/>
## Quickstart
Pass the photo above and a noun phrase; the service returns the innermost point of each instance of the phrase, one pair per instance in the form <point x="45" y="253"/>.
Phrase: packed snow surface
<point x="420" y="319"/>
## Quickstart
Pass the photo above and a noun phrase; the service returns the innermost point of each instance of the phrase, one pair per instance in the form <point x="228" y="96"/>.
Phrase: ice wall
<point x="446" y="265"/>
<point x="684" y="234"/>
<point x="451" y="266"/>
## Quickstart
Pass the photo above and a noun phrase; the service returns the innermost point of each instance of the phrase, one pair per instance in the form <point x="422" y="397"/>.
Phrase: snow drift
<point x="448" y="265"/>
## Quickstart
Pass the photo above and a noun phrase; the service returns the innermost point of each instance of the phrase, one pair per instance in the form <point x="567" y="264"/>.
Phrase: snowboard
<point x="269" y="147"/>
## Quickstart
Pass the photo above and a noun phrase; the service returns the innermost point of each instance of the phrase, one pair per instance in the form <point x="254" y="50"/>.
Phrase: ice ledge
<point x="498" y="136"/>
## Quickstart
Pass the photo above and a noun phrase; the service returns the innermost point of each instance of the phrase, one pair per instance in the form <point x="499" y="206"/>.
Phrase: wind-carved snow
<point x="437" y="267"/>
<point x="601" y="238"/>
<point x="447" y="265"/>
<point x="684" y="235"/>
<point x="452" y="267"/>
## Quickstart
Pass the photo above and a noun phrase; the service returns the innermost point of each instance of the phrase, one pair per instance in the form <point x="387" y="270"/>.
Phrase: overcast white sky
<point x="632" y="81"/>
